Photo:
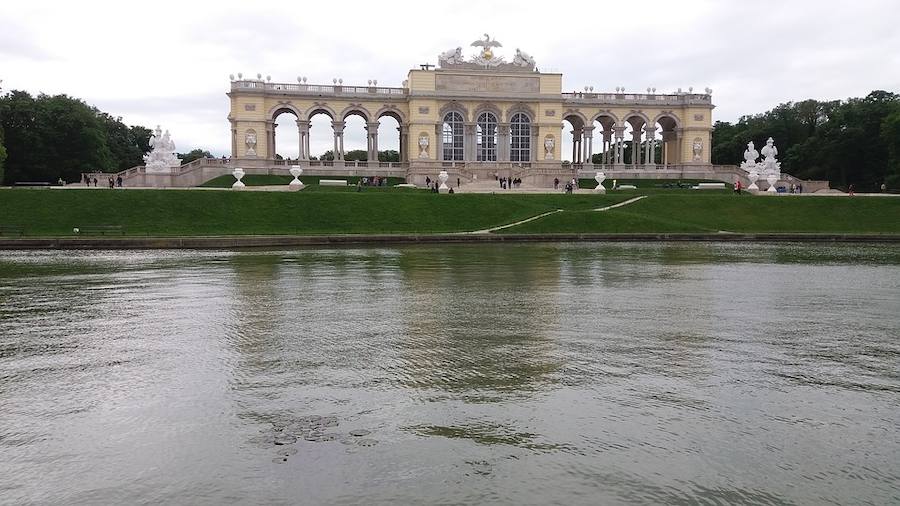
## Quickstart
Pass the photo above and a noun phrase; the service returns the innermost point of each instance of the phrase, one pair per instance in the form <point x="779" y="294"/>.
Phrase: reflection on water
<point x="515" y="374"/>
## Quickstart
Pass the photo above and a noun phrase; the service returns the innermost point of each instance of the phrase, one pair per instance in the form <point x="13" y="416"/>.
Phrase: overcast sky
<point x="168" y="62"/>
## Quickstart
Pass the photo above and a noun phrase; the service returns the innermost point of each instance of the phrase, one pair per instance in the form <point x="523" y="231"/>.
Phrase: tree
<point x="328" y="155"/>
<point x="356" y="155"/>
<point x="2" y="155"/>
<point x="126" y="144"/>
<point x="48" y="137"/>
<point x="194" y="154"/>
<point x="389" y="155"/>
<point x="846" y="142"/>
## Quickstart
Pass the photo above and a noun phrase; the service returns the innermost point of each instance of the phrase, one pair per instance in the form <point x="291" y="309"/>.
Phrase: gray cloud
<point x="173" y="70"/>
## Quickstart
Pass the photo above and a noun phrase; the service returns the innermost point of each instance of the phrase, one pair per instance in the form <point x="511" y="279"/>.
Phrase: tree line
<point x="44" y="138"/>
<point x="854" y="141"/>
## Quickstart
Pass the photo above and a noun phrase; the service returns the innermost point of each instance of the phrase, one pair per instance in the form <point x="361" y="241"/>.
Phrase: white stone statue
<point x="548" y="148"/>
<point x="523" y="59"/>
<point x="451" y="57"/>
<point x="423" y="146"/>
<point x="296" y="171"/>
<point x="162" y="157"/>
<point x="600" y="177"/>
<point x="443" y="177"/>
<point x="250" y="141"/>
<point x="698" y="150"/>
<point x="238" y="173"/>
<point x="769" y="164"/>
<point x="751" y="154"/>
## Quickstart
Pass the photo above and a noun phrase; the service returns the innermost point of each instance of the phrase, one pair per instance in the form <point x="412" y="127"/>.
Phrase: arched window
<point x="452" y="137"/>
<point x="486" y="137"/>
<point x="520" y="138"/>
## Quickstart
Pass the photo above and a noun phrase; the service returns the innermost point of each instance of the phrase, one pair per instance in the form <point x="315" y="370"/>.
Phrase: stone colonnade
<point x="303" y="130"/>
<point x="614" y="144"/>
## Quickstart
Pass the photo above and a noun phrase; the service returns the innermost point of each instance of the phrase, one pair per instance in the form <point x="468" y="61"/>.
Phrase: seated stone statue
<point x="451" y="57"/>
<point x="523" y="59"/>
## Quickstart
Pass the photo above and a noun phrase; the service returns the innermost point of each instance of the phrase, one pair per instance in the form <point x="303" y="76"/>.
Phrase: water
<point x="489" y="374"/>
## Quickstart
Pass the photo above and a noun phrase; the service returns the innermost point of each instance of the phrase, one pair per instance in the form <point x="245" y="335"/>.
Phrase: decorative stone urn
<point x="443" y="177"/>
<point x="753" y="176"/>
<point x="772" y="179"/>
<point x="238" y="173"/>
<point x="600" y="177"/>
<point x="296" y="170"/>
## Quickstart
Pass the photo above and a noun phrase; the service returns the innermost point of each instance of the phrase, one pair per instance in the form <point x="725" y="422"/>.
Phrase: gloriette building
<point x="476" y="117"/>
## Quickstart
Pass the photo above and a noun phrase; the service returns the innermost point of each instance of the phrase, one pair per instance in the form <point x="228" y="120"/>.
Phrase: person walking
<point x="850" y="190"/>
<point x="737" y="187"/>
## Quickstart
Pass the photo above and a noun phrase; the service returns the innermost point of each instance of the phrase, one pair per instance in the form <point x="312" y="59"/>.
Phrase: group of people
<point x="433" y="187"/>
<point x="507" y="183"/>
<point x="111" y="182"/>
<point x="570" y="186"/>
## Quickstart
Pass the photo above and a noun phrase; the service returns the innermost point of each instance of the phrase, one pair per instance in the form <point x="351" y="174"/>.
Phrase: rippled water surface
<point x="479" y="374"/>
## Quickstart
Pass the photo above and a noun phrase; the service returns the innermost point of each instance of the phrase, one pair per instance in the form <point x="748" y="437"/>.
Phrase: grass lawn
<point x="703" y="212"/>
<point x="656" y="186"/>
<point x="46" y="212"/>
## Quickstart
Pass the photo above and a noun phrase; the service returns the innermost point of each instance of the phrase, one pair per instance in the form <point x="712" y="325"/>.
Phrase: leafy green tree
<point x="2" y="155"/>
<point x="49" y="137"/>
<point x="846" y="142"/>
<point x="127" y="145"/>
<point x="194" y="154"/>
<point x="389" y="155"/>
<point x="356" y="155"/>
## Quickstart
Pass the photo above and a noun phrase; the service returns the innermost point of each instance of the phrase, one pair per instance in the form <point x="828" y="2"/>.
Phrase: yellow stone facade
<point x="682" y="120"/>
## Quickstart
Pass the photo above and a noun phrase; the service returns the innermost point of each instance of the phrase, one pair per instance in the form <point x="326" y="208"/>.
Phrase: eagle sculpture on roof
<point x="486" y="45"/>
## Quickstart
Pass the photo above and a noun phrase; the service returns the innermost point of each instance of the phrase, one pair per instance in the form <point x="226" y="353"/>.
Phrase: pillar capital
<point x="338" y="126"/>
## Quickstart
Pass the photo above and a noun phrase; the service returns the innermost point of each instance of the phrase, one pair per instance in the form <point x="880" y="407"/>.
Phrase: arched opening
<point x="284" y="128"/>
<point x="452" y="143"/>
<point x="635" y="154"/>
<point x="520" y="138"/>
<point x="389" y="138"/>
<point x="572" y="138"/>
<point x="603" y="140"/>
<point x="486" y="137"/>
<point x="667" y="141"/>
<point x="321" y="135"/>
<point x="355" y="145"/>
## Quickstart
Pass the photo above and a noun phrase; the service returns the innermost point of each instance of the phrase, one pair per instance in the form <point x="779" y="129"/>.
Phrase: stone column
<point x="589" y="145"/>
<point x="619" y="151"/>
<point x="667" y="138"/>
<point x="676" y="149"/>
<point x="503" y="148"/>
<point x="438" y="142"/>
<point x="469" y="142"/>
<point x="372" y="135"/>
<point x="650" y="157"/>
<point x="303" y="130"/>
<point x="270" y="140"/>
<point x="338" y="127"/>
<point x="404" y="142"/>
<point x="607" y="144"/>
<point x="636" y="147"/>
<point x="234" y="140"/>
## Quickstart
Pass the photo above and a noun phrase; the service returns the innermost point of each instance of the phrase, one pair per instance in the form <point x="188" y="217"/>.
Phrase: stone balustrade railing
<point x="674" y="99"/>
<point x="316" y="89"/>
